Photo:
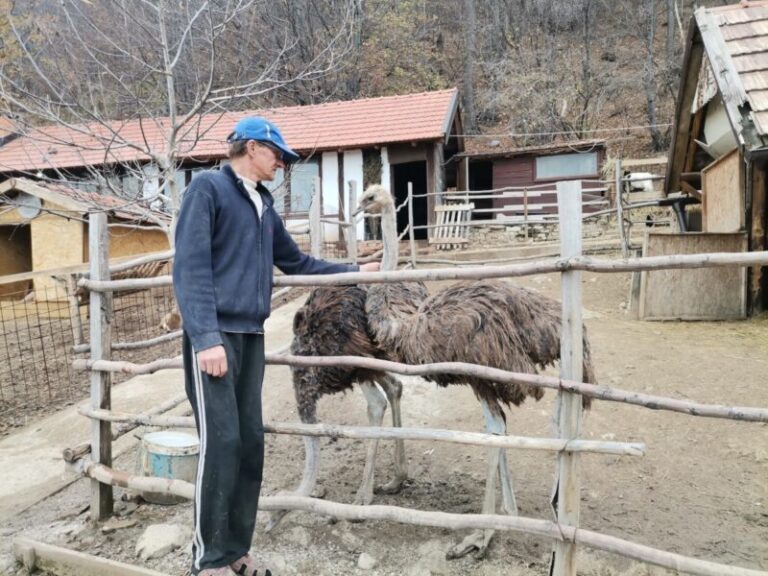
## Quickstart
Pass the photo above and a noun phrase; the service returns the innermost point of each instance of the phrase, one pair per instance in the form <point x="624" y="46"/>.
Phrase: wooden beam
<point x="101" y="339"/>
<point x="694" y="53"/>
<point x="756" y="300"/>
<point x="62" y="561"/>
<point x="386" y="433"/>
<point x="352" y="229"/>
<point x="411" y="224"/>
<point x="583" y="263"/>
<point x="745" y="413"/>
<point x="690" y="190"/>
<point x="566" y="499"/>
<point x="690" y="154"/>
<point x="726" y="76"/>
<point x="630" y="163"/>
<point x="315" y="226"/>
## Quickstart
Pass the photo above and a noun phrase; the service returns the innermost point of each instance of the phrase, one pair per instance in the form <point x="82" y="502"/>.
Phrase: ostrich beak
<point x="360" y="210"/>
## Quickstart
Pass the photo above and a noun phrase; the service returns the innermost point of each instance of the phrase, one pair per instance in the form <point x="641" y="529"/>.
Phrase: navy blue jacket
<point x="222" y="271"/>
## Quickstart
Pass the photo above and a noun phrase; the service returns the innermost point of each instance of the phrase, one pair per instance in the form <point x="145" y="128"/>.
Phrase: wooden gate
<point x="451" y="230"/>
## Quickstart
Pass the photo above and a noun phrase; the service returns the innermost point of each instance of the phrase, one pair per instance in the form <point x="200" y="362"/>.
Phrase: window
<point x="277" y="188"/>
<point x="294" y="194"/>
<point x="303" y="176"/>
<point x="566" y="165"/>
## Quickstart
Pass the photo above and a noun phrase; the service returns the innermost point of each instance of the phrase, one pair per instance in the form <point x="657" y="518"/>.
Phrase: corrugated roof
<point x="331" y="126"/>
<point x="744" y="29"/>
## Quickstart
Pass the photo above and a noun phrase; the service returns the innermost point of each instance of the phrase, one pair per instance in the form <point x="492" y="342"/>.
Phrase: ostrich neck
<point x="389" y="238"/>
<point x="388" y="314"/>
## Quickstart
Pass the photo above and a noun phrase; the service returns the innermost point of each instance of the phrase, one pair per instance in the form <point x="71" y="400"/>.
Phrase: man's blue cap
<point x="262" y="130"/>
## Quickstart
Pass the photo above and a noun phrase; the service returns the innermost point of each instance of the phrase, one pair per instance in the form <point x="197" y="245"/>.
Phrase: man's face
<point x="265" y="160"/>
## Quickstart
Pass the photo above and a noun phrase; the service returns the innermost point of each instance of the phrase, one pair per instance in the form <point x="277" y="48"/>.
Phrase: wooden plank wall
<point x="701" y="294"/>
<point x="723" y="189"/>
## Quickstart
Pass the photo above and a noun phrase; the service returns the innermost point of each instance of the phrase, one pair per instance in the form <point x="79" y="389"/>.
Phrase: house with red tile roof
<point x="391" y="140"/>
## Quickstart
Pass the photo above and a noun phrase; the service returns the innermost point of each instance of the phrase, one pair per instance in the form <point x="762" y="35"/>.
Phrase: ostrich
<point x="332" y="322"/>
<point x="486" y="322"/>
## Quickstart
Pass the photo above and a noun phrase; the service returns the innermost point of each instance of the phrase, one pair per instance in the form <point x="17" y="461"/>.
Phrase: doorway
<point x="16" y="248"/>
<point x="415" y="172"/>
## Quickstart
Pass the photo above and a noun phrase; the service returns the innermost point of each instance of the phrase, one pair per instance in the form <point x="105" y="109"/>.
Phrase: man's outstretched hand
<point x="370" y="267"/>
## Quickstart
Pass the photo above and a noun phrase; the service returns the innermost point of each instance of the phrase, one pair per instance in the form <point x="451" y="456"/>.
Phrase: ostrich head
<point x="375" y="200"/>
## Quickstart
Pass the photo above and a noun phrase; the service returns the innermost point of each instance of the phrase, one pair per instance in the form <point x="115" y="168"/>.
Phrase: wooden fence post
<point x="565" y="499"/>
<point x="74" y="311"/>
<point x="411" y="232"/>
<point x="352" y="228"/>
<point x="315" y="226"/>
<point x="620" y="208"/>
<point x="101" y="339"/>
<point x="525" y="211"/>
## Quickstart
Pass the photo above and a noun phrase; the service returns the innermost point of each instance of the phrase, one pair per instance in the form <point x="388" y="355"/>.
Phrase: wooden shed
<point x="718" y="156"/>
<point x="533" y="173"/>
<point x="44" y="227"/>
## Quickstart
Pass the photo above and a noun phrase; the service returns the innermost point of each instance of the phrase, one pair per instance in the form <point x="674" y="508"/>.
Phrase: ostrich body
<point x="332" y="322"/>
<point x="486" y="322"/>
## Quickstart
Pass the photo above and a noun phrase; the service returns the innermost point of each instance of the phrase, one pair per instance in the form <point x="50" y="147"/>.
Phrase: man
<point x="228" y="238"/>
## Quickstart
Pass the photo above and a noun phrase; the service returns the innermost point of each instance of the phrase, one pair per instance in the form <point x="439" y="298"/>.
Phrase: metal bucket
<point x="168" y="454"/>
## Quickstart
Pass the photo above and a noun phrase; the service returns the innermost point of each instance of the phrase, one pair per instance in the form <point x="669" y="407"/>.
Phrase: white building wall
<point x="385" y="176"/>
<point x="329" y="168"/>
<point x="353" y="171"/>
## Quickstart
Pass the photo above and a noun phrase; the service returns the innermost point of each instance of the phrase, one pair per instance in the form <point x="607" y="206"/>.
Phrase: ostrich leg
<point x="394" y="391"/>
<point x="479" y="540"/>
<point x="311" y="468"/>
<point x="509" y="504"/>
<point x="377" y="405"/>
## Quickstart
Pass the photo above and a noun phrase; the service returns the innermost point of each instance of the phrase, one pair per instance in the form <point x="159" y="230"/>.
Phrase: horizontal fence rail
<point x="583" y="263"/>
<point x="374" y="432"/>
<point x="749" y="414"/>
<point x="543" y="528"/>
<point x="150" y="342"/>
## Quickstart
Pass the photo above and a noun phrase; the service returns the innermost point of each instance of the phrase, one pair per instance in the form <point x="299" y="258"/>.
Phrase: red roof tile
<point x="332" y="126"/>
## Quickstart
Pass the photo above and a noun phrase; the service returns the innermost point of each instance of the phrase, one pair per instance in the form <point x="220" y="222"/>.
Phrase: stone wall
<point x="515" y="234"/>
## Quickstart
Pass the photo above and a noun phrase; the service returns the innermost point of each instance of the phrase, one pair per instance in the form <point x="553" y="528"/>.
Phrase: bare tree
<point x="169" y="68"/>
<point x="470" y="30"/>
<point x="649" y="76"/>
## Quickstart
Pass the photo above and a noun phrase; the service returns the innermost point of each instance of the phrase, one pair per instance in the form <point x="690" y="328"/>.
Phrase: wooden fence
<point x="565" y="532"/>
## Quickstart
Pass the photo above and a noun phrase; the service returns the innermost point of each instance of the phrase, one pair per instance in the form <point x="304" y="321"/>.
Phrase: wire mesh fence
<point x="36" y="339"/>
<point x="39" y="327"/>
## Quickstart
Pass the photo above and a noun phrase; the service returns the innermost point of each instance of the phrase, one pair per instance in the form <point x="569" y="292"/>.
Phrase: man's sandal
<point x="223" y="571"/>
<point x="246" y="566"/>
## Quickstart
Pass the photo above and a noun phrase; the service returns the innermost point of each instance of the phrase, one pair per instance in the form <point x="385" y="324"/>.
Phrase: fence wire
<point x="38" y="330"/>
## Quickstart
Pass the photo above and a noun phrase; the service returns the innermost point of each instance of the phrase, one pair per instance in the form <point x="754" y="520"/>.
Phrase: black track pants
<point x="228" y="419"/>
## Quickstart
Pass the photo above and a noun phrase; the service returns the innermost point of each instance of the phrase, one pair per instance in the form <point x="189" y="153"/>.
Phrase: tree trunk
<point x="649" y="79"/>
<point x="586" y="71"/>
<point x="671" y="33"/>
<point x="470" y="29"/>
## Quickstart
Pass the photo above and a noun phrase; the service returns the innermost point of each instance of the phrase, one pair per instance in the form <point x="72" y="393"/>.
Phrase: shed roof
<point x="333" y="126"/>
<point x="556" y="148"/>
<point x="81" y="202"/>
<point x="735" y="39"/>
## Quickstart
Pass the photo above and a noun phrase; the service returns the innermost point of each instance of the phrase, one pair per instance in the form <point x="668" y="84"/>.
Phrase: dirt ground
<point x="701" y="490"/>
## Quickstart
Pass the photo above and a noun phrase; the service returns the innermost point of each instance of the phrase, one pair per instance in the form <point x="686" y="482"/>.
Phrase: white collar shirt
<point x="250" y="186"/>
